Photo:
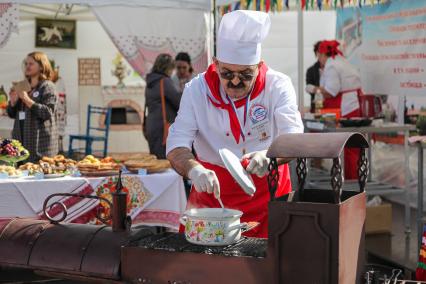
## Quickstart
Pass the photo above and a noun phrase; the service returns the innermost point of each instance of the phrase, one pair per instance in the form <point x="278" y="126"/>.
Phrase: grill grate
<point x="245" y="247"/>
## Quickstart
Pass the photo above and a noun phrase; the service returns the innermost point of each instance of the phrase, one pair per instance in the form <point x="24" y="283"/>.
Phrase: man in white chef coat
<point x="240" y="104"/>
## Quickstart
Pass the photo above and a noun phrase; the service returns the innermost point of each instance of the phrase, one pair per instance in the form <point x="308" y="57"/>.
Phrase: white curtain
<point x="141" y="33"/>
<point x="9" y="20"/>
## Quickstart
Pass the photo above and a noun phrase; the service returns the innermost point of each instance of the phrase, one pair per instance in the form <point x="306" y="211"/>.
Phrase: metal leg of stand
<point x="420" y="196"/>
<point x="407" y="182"/>
<point x="370" y="162"/>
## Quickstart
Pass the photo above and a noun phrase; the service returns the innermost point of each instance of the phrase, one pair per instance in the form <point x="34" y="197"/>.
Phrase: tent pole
<point x="214" y="26"/>
<point x="300" y="59"/>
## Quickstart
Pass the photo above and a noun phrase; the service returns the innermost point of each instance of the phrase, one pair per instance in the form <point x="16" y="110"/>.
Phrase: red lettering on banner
<point x="396" y="42"/>
<point x="411" y="85"/>
<point x="401" y="56"/>
<point x="407" y="70"/>
<point x="400" y="14"/>
<point x="409" y="27"/>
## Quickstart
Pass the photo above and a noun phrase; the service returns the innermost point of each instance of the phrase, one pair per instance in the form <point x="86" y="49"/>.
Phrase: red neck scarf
<point x="213" y="83"/>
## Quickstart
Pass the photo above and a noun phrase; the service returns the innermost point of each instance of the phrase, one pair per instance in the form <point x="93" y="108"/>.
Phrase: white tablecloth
<point x="163" y="197"/>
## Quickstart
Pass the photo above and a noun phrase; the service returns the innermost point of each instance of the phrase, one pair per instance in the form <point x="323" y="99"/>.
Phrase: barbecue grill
<point x="314" y="236"/>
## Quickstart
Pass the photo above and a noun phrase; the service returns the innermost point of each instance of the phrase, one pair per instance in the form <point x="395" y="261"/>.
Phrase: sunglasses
<point x="229" y="75"/>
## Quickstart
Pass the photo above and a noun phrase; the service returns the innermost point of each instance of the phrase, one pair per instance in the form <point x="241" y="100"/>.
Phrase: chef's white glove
<point x="204" y="180"/>
<point x="258" y="163"/>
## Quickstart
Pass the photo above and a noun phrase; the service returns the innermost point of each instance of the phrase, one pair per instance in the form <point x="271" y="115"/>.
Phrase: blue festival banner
<point x="387" y="42"/>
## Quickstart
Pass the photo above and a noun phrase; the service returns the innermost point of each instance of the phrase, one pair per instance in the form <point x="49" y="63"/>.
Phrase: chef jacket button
<point x="249" y="133"/>
<point x="244" y="151"/>
<point x="227" y="133"/>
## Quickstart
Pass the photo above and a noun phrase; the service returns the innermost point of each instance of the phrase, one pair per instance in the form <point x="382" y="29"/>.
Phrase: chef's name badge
<point x="260" y="123"/>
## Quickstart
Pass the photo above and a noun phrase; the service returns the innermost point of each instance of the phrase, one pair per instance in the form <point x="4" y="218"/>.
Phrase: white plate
<point x="54" y="175"/>
<point x="16" y="177"/>
<point x="233" y="165"/>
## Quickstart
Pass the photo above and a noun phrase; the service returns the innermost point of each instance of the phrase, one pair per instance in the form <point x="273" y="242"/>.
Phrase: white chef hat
<point x="240" y="35"/>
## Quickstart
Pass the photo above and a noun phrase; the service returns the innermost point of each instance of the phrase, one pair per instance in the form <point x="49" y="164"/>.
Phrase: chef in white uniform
<point x="340" y="85"/>
<point x="239" y="104"/>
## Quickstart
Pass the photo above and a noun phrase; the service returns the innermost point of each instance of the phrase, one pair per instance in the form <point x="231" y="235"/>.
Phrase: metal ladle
<point x="220" y="200"/>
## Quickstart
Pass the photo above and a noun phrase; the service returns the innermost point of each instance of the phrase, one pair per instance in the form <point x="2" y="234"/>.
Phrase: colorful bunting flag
<point x="248" y="4"/>
<point x="267" y="5"/>
<point x="280" y="5"/>
<point x="277" y="5"/>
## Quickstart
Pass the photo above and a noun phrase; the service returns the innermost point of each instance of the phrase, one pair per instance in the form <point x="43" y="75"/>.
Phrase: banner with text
<point x="387" y="42"/>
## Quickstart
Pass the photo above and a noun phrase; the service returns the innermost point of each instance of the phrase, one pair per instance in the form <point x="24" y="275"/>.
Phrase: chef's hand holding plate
<point x="258" y="163"/>
<point x="204" y="180"/>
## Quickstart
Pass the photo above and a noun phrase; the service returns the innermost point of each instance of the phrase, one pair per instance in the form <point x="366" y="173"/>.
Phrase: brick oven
<point x="127" y="105"/>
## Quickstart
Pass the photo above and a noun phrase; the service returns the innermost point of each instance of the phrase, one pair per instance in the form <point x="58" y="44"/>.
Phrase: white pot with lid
<point x="213" y="226"/>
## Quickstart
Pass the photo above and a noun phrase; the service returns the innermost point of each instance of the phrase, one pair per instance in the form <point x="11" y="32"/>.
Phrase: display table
<point x="155" y="199"/>
<point x="373" y="187"/>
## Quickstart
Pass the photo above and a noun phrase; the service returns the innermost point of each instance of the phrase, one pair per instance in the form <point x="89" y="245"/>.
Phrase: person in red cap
<point x="340" y="86"/>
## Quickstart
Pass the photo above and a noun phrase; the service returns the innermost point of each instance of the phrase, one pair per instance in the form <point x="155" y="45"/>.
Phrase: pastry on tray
<point x="150" y="165"/>
<point x="47" y="165"/>
<point x="10" y="171"/>
<point x="123" y="157"/>
<point x="93" y="166"/>
<point x="31" y="168"/>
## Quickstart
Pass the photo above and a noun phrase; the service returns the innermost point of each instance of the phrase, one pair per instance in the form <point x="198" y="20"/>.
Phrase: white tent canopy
<point x="83" y="11"/>
<point x="182" y="4"/>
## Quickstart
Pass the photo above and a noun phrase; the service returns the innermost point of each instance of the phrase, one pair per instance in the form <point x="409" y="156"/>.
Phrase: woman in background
<point x="340" y="86"/>
<point x="35" y="111"/>
<point x="184" y="71"/>
<point x="162" y="101"/>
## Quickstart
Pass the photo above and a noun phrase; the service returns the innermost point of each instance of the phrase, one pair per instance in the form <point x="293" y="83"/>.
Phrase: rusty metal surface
<point x="314" y="145"/>
<point x="80" y="278"/>
<point x="273" y="177"/>
<point x="363" y="169"/>
<point x="17" y="240"/>
<point x="77" y="249"/>
<point x="324" y="238"/>
<point x="337" y="179"/>
<point x="63" y="246"/>
<point x="141" y="265"/>
<point x="102" y="256"/>
<point x="120" y="221"/>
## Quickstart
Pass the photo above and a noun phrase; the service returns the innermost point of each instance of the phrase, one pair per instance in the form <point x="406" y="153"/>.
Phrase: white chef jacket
<point x="340" y="76"/>
<point x="207" y="128"/>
